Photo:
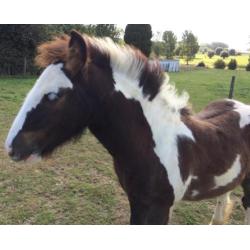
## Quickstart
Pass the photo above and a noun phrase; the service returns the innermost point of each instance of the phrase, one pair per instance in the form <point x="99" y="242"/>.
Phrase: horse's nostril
<point x="14" y="157"/>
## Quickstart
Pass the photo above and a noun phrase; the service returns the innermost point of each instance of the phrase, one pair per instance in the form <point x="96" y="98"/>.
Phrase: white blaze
<point x="51" y="80"/>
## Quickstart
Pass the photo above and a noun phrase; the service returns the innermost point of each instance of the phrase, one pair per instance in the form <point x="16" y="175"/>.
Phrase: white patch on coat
<point x="50" y="81"/>
<point x="163" y="116"/>
<point x="247" y="216"/>
<point x="194" y="193"/>
<point x="244" y="112"/>
<point x="232" y="173"/>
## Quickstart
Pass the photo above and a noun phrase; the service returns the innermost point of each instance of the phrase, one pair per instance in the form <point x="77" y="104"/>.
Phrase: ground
<point x="78" y="184"/>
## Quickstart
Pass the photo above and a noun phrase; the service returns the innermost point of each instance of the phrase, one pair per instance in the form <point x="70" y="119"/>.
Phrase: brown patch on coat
<point x="218" y="140"/>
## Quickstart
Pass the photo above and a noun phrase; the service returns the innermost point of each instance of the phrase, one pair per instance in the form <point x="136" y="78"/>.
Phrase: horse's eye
<point x="53" y="96"/>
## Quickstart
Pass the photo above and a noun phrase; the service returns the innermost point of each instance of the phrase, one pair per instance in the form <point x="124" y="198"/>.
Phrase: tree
<point x="210" y="54"/>
<point x="170" y="43"/>
<point x="139" y="35"/>
<point x="158" y="48"/>
<point x="224" y="54"/>
<point x="218" y="50"/>
<point x="56" y="29"/>
<point x="215" y="45"/>
<point x="232" y="52"/>
<point x="190" y="46"/>
<point x="18" y="42"/>
<point x="18" y="45"/>
<point x="178" y="51"/>
<point x="107" y="30"/>
<point x="204" y="48"/>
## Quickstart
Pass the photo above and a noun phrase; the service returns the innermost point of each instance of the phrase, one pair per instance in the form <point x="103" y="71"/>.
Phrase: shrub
<point x="201" y="64"/>
<point x="248" y="67"/>
<point x="218" y="50"/>
<point x="232" y="64"/>
<point x="232" y="52"/>
<point x="224" y="54"/>
<point x="210" y="54"/>
<point x="219" y="64"/>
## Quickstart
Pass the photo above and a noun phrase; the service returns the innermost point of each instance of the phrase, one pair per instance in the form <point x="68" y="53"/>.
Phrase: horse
<point x="162" y="152"/>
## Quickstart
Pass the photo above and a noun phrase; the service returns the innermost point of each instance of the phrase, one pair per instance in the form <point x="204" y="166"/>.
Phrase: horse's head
<point x="60" y="104"/>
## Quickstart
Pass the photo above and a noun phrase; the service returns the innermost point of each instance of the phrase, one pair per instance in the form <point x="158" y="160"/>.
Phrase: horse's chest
<point x="166" y="148"/>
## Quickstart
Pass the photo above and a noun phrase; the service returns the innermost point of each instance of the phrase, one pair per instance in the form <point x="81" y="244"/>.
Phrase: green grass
<point x="242" y="60"/>
<point x="78" y="184"/>
<point x="205" y="85"/>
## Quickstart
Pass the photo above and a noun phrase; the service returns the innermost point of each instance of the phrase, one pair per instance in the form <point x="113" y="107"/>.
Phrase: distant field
<point x="78" y="184"/>
<point x="241" y="60"/>
<point x="204" y="85"/>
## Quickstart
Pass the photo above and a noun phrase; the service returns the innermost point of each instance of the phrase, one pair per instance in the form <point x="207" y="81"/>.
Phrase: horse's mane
<point x="123" y="58"/>
<point x="57" y="50"/>
<point x="52" y="51"/>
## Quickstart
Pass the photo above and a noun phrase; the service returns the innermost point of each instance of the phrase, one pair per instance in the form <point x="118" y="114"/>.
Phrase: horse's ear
<point x="77" y="55"/>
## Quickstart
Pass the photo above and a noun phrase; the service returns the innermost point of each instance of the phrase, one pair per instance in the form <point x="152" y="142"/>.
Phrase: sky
<point x="237" y="39"/>
<point x="225" y="21"/>
<point x="210" y="21"/>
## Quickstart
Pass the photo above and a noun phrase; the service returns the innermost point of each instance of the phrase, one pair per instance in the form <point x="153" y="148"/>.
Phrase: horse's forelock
<point x="52" y="51"/>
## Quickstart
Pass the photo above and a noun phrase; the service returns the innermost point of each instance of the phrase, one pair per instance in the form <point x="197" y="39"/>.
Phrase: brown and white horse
<point x="162" y="152"/>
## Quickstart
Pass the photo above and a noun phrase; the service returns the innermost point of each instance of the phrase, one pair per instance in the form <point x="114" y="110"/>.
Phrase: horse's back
<point x="215" y="109"/>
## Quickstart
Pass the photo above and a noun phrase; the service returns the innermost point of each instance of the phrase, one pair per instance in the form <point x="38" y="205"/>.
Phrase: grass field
<point x="78" y="185"/>
<point x="242" y="60"/>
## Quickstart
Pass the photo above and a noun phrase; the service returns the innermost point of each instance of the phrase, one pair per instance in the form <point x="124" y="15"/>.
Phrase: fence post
<point x="231" y="92"/>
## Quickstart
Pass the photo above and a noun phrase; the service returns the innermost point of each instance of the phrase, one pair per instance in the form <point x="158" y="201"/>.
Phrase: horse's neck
<point x="162" y="113"/>
<point x="126" y="126"/>
<point x="121" y="126"/>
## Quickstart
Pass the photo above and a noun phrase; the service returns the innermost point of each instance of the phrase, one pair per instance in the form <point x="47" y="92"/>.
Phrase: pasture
<point x="242" y="60"/>
<point x="77" y="185"/>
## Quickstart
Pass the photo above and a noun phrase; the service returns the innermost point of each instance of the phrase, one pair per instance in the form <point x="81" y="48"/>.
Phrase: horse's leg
<point x="246" y="198"/>
<point x="223" y="210"/>
<point x="150" y="214"/>
<point x="170" y="213"/>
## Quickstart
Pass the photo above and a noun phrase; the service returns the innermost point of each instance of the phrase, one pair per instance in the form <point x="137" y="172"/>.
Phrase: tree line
<point x="169" y="46"/>
<point x="18" y="42"/>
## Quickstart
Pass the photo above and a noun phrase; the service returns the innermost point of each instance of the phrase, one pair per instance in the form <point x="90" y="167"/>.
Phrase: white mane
<point x="128" y="66"/>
